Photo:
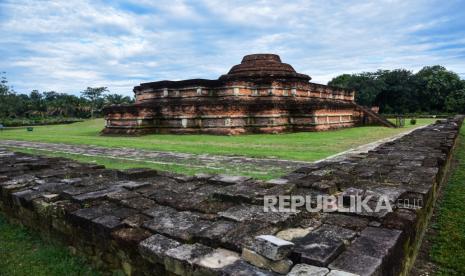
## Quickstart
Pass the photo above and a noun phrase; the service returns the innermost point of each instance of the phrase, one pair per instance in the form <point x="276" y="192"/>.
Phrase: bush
<point x="413" y="121"/>
<point x="16" y="122"/>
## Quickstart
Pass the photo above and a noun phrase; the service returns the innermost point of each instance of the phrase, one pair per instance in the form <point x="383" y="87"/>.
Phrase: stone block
<point x="402" y="219"/>
<point x="129" y="236"/>
<point x="181" y="260"/>
<point x="281" y="266"/>
<point x="308" y="270"/>
<point x="182" y="225"/>
<point x="132" y="185"/>
<point x="203" y="176"/>
<point x="358" y="264"/>
<point x="293" y="233"/>
<point x="123" y="212"/>
<point x="278" y="181"/>
<point x="247" y="212"/>
<point x="242" y="268"/>
<point x="136" y="220"/>
<point x="136" y="173"/>
<point x="375" y="247"/>
<point x="121" y="194"/>
<point x="325" y="186"/>
<point x="317" y="249"/>
<point x="347" y="221"/>
<point x="223" y="179"/>
<point x="341" y="273"/>
<point x="72" y="181"/>
<point x="272" y="247"/>
<point x="95" y="195"/>
<point x="24" y="198"/>
<point x="216" y="231"/>
<point x="214" y="261"/>
<point x="155" y="247"/>
<point x="377" y="242"/>
<point x="82" y="217"/>
<point x="107" y="223"/>
<point x="50" y="197"/>
<point x="139" y="203"/>
<point x="333" y="231"/>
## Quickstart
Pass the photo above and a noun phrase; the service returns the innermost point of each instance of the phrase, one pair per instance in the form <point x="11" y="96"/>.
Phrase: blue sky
<point x="68" y="45"/>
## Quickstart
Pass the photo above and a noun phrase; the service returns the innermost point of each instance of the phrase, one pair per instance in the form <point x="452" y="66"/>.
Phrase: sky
<point x="66" y="46"/>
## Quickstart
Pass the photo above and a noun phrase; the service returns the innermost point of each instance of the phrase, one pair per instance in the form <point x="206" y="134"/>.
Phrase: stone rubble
<point x="142" y="221"/>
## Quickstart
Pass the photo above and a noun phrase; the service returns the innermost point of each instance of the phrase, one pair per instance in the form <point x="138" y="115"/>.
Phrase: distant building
<point x="259" y="95"/>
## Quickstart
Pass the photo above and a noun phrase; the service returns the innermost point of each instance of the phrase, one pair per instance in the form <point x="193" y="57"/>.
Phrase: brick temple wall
<point x="145" y="222"/>
<point x="234" y="108"/>
<point x="247" y="89"/>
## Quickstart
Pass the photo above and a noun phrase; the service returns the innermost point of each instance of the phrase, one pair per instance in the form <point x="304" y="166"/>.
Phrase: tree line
<point x="432" y="90"/>
<point x="40" y="106"/>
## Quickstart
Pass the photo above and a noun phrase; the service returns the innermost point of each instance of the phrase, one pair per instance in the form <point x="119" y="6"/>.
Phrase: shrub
<point x="413" y="121"/>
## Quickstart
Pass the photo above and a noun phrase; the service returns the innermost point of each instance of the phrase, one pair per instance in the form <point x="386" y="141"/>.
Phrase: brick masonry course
<point x="141" y="221"/>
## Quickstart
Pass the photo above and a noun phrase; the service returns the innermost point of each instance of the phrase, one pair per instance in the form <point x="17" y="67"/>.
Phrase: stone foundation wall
<point x="141" y="221"/>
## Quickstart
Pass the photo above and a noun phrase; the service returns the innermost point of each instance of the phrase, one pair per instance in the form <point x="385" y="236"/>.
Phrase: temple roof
<point x="256" y="67"/>
<point x="259" y="66"/>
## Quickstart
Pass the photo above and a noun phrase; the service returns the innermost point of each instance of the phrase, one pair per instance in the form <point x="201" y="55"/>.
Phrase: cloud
<point x="69" y="45"/>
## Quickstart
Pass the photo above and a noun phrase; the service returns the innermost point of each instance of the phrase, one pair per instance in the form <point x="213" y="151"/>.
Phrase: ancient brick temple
<point x="259" y="95"/>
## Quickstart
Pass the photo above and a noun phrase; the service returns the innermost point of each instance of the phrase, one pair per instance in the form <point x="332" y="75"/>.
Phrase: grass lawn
<point x="448" y="243"/>
<point x="305" y="146"/>
<point x="24" y="253"/>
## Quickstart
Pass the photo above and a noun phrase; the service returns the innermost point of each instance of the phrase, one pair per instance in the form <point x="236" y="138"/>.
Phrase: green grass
<point x="23" y="253"/>
<point x="448" y="245"/>
<point x="304" y="146"/>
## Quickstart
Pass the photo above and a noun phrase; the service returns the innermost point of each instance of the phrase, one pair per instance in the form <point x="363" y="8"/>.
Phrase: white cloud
<point x="69" y="45"/>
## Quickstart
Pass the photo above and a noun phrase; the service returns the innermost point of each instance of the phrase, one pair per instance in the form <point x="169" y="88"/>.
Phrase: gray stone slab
<point x="95" y="195"/>
<point x="308" y="270"/>
<point x="358" y="264"/>
<point x="212" y="263"/>
<point x="336" y="232"/>
<point x="347" y="221"/>
<point x="315" y="249"/>
<point x="247" y="212"/>
<point x="182" y="225"/>
<point x="272" y="247"/>
<point x="180" y="260"/>
<point x="131" y="185"/>
<point x="279" y="266"/>
<point x="107" y="223"/>
<point x="242" y="268"/>
<point x="155" y="247"/>
<point x="139" y="203"/>
<point x="341" y="273"/>
<point x="223" y="179"/>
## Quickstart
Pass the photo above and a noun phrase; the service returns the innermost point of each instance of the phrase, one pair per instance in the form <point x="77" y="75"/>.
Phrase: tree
<point x="366" y="85"/>
<point x="435" y="83"/>
<point x="8" y="103"/>
<point x="398" y="93"/>
<point x="117" y="99"/>
<point x="455" y="102"/>
<point x="94" y="95"/>
<point x="4" y="89"/>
